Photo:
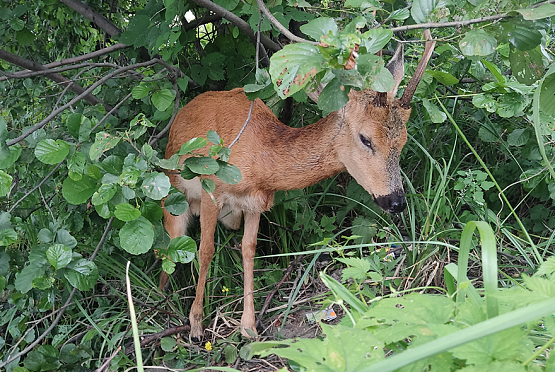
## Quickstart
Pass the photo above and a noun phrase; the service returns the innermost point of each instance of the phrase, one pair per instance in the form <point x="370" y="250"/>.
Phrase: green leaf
<point x="434" y="112"/>
<point x="43" y="282"/>
<point x="342" y="349"/>
<point x="421" y="8"/>
<point x="183" y="83"/>
<point x="176" y="204"/>
<point x="104" y="194"/>
<point x="478" y="43"/>
<point x="192" y="145"/>
<point x="137" y="236"/>
<point x="102" y="143"/>
<point x="547" y="92"/>
<point x="510" y="104"/>
<point x="207" y="185"/>
<point x="9" y="155"/>
<point x="542" y="11"/>
<point x="522" y="34"/>
<point x="334" y="96"/>
<point x="444" y="78"/>
<point x="374" y="40"/>
<point x="167" y="343"/>
<point x="162" y="99"/>
<point x="140" y="91"/>
<point x="228" y="173"/>
<point x="59" y="255"/>
<point x="5" y="183"/>
<point x="45" y="358"/>
<point x="156" y="185"/>
<point x="152" y="211"/>
<point x="81" y="274"/>
<point x="202" y="165"/>
<point x="527" y="66"/>
<point x="294" y="67"/>
<point x="319" y="27"/>
<point x="213" y="137"/>
<point x="50" y="151"/>
<point x="182" y="249"/>
<point x="168" y="266"/>
<point x="399" y="14"/>
<point x="7" y="237"/>
<point x="65" y="238"/>
<point x="126" y="212"/>
<point x="357" y="269"/>
<point x="78" y="192"/>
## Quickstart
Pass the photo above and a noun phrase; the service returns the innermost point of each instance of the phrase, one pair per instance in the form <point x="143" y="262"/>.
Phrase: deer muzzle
<point x="392" y="203"/>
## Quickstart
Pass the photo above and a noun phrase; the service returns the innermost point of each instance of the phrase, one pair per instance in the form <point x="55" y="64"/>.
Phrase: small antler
<point x="413" y="83"/>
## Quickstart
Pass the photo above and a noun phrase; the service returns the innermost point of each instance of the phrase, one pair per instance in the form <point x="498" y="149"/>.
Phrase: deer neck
<point x="305" y="156"/>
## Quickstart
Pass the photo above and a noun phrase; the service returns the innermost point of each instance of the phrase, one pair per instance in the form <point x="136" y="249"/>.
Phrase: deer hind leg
<point x="208" y="219"/>
<point x="252" y="219"/>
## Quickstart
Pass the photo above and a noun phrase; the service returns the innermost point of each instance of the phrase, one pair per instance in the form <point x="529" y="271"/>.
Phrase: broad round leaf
<point x="319" y="27"/>
<point x="102" y="143"/>
<point x="7" y="237"/>
<point x="182" y="249"/>
<point x="50" y="151"/>
<point x="126" y="212"/>
<point x="152" y="211"/>
<point x="333" y="97"/>
<point x="478" y="43"/>
<point x="65" y="238"/>
<point x="140" y="91"/>
<point x="162" y="99"/>
<point x="156" y="185"/>
<point x="78" y="192"/>
<point x="202" y="165"/>
<point x="9" y="155"/>
<point x="527" y="66"/>
<point x="295" y="66"/>
<point x="81" y="274"/>
<point x="374" y="40"/>
<point x="176" y="204"/>
<point x="59" y="256"/>
<point x="421" y="8"/>
<point x="228" y="173"/>
<point x="137" y="236"/>
<point x="104" y="194"/>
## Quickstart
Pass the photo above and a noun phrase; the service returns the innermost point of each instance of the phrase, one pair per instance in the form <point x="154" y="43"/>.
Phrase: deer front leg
<point x="208" y="218"/>
<point x="248" y="250"/>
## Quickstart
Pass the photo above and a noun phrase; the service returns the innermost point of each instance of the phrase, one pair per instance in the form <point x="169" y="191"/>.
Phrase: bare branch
<point x="242" y="25"/>
<point x="67" y="61"/>
<point x="87" y="12"/>
<point x="58" y="78"/>
<point x="284" y="30"/>
<point x="208" y="18"/>
<point x="107" y="77"/>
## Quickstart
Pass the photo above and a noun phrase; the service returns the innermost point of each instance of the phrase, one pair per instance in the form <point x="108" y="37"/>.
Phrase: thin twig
<point x="36" y="187"/>
<point x="67" y="303"/>
<point x="273" y="292"/>
<point x="107" y="77"/>
<point x="281" y="27"/>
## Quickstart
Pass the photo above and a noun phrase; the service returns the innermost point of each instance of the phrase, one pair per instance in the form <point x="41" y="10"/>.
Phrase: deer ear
<point x="396" y="66"/>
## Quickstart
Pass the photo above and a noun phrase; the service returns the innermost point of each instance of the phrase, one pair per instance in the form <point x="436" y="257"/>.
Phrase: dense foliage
<point x="88" y="92"/>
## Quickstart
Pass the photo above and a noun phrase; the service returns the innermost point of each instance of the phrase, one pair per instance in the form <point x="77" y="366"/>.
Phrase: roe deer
<point x="364" y="138"/>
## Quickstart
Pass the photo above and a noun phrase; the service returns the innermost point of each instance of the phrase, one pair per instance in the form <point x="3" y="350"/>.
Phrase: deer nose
<point x="392" y="203"/>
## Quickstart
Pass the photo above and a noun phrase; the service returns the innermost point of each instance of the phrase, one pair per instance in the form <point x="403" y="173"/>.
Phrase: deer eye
<point x="366" y="142"/>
